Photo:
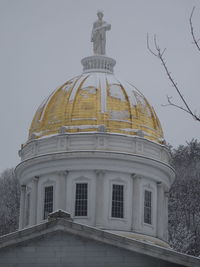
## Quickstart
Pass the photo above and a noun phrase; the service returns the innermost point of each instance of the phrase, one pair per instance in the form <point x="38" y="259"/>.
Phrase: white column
<point x="61" y="190"/>
<point x="22" y="206"/>
<point x="99" y="216"/>
<point x="160" y="211"/>
<point x="136" y="200"/>
<point x="34" y="197"/>
<point x="166" y="199"/>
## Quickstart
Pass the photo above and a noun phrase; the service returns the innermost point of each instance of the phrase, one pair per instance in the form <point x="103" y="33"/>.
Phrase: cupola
<point x="96" y="151"/>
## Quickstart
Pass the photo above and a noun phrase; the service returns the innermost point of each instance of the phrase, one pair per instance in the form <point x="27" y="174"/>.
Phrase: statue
<point x="99" y="35"/>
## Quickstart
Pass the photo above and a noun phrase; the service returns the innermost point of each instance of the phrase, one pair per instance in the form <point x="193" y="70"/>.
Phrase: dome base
<point x="101" y="162"/>
<point x="98" y="63"/>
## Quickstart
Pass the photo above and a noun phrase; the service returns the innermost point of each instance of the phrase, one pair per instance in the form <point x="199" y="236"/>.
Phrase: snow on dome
<point x="91" y="100"/>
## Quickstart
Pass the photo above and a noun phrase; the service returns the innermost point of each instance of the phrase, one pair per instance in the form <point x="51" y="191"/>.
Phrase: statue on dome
<point x="99" y="34"/>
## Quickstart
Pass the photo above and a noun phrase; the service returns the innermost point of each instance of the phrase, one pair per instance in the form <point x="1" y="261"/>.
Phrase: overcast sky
<point x="43" y="41"/>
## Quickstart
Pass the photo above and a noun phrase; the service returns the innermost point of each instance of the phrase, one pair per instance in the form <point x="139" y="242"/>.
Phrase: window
<point x="81" y="201"/>
<point x="117" y="201"/>
<point x="48" y="201"/>
<point x="147" y="206"/>
<point x="27" y="214"/>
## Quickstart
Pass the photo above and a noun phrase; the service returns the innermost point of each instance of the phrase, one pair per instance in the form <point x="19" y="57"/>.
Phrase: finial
<point x="99" y="34"/>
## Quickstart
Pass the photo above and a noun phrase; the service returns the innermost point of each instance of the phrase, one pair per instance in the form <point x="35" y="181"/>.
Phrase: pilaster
<point x="166" y="200"/>
<point x="100" y="202"/>
<point x="34" y="197"/>
<point x="61" y="203"/>
<point x="160" y="211"/>
<point x="22" y="206"/>
<point x="136" y="201"/>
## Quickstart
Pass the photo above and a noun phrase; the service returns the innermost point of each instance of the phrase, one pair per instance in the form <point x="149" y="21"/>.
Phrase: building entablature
<point x="132" y="164"/>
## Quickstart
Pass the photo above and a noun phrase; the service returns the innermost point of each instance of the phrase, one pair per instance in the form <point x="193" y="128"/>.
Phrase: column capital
<point x="100" y="172"/>
<point x="63" y="173"/>
<point x="136" y="176"/>
<point x="36" y="178"/>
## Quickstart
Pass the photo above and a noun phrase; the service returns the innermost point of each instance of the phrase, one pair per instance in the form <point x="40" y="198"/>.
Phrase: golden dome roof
<point x="96" y="101"/>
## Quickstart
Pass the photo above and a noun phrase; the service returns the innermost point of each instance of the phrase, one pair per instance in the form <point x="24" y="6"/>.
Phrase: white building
<point x="96" y="151"/>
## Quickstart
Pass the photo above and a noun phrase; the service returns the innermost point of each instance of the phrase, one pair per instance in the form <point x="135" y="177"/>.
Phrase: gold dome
<point x="96" y="101"/>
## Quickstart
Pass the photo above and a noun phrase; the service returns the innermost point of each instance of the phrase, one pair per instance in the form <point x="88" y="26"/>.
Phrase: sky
<point x="43" y="41"/>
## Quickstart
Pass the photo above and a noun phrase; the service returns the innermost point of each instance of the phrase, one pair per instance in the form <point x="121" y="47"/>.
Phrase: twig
<point x="159" y="54"/>
<point x="192" y="31"/>
<point x="170" y="103"/>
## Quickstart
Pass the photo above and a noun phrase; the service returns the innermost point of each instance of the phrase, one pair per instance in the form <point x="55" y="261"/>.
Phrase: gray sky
<point x="43" y="41"/>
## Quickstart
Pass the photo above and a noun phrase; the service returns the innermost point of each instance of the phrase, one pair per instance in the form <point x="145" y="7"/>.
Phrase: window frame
<point x="45" y="185"/>
<point x="151" y="207"/>
<point x="112" y="189"/>
<point x="81" y="181"/>
<point x="118" y="181"/>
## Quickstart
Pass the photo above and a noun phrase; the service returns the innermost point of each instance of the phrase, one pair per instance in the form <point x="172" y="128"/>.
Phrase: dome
<point x="96" y="101"/>
<point x="96" y="150"/>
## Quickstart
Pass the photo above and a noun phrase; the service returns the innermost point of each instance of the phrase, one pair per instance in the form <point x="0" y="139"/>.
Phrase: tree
<point x="9" y="202"/>
<point x="159" y="53"/>
<point x="184" y="200"/>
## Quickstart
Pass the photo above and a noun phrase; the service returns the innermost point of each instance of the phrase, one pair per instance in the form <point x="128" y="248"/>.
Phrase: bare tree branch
<point x="170" y="103"/>
<point x="158" y="52"/>
<point x="192" y="31"/>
